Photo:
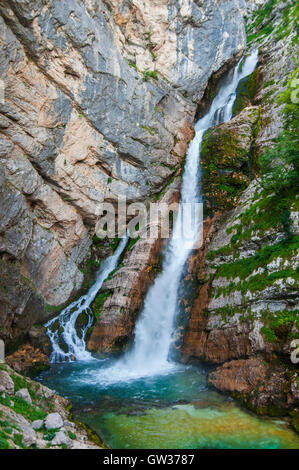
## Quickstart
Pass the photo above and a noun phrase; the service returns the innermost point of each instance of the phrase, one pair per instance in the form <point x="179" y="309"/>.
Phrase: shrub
<point x="149" y="73"/>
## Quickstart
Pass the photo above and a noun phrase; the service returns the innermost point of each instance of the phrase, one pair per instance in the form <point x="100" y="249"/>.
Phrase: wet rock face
<point x="174" y="37"/>
<point x="99" y="103"/>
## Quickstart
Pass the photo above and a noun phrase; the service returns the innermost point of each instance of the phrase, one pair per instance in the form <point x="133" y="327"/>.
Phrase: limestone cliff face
<point x="100" y="98"/>
<point x="249" y="317"/>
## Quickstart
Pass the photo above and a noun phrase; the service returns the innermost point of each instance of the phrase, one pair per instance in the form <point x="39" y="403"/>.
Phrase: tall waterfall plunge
<point x="154" y="329"/>
<point x="149" y="354"/>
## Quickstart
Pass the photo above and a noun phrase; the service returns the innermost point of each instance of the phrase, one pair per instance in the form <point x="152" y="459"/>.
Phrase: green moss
<point x="18" y="440"/>
<point x="225" y="168"/>
<point x="161" y="193"/>
<point x="295" y="420"/>
<point x="149" y="74"/>
<point x="246" y="92"/>
<point x="132" y="242"/>
<point x="91" y="434"/>
<point x="244" y="267"/>
<point x="49" y="434"/>
<point x="278" y="325"/>
<point x="4" y="444"/>
<point x="150" y="130"/>
<point x="289" y="22"/>
<point x="131" y="64"/>
<point x="261" y="25"/>
<point x="98" y="303"/>
<point x="72" y="435"/>
<point x="269" y="335"/>
<point x="257" y="283"/>
<point x="223" y="251"/>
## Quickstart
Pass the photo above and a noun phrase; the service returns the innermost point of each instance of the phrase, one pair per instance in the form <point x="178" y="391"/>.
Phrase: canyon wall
<point x="99" y="103"/>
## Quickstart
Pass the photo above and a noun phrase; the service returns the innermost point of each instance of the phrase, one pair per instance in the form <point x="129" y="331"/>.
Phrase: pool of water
<point x="174" y="410"/>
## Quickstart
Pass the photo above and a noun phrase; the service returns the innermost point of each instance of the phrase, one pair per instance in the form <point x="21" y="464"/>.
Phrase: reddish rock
<point x="195" y="338"/>
<point x="238" y="376"/>
<point x="128" y="286"/>
<point x="27" y="360"/>
<point x="266" y="388"/>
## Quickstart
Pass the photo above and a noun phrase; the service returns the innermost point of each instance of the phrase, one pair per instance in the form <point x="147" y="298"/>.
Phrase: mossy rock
<point x="272" y="410"/>
<point x="82" y="320"/>
<point x="99" y="301"/>
<point x="294" y="415"/>
<point x="222" y="157"/>
<point x="246" y="91"/>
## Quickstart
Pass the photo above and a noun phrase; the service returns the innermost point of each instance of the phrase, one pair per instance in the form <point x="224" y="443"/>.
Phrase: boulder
<point x="24" y="394"/>
<point x="6" y="383"/>
<point x="53" y="421"/>
<point x="61" y="438"/>
<point x="22" y="425"/>
<point x="37" y="424"/>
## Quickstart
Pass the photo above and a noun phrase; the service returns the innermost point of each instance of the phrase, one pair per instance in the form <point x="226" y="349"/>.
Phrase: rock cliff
<point x="248" y="320"/>
<point x="99" y="102"/>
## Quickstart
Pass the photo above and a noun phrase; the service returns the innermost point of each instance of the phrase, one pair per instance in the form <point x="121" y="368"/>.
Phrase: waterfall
<point x="66" y="320"/>
<point x="149" y="354"/>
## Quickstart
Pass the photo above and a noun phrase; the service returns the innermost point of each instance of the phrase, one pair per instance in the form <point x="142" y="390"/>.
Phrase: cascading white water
<point x="154" y="329"/>
<point x="76" y="347"/>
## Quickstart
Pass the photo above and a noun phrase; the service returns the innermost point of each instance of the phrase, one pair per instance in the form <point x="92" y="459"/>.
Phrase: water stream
<point x="144" y="399"/>
<point x="67" y="330"/>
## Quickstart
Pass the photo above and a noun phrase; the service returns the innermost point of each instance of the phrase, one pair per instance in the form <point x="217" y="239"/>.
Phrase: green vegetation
<point x="246" y="92"/>
<point x="150" y="130"/>
<point x="161" y="193"/>
<point x="225" y="168"/>
<point x="72" y="435"/>
<point x="18" y="440"/>
<point x="261" y="25"/>
<point x="279" y="324"/>
<point x="132" y="243"/>
<point x="49" y="434"/>
<point x="20" y="406"/>
<point x="149" y="74"/>
<point x="242" y="268"/>
<point x="258" y="282"/>
<point x="289" y="23"/>
<point x="131" y="64"/>
<point x="98" y="303"/>
<point x="279" y="164"/>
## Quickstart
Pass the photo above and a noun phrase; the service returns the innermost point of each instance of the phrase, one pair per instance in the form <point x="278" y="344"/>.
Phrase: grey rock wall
<point x="83" y="121"/>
